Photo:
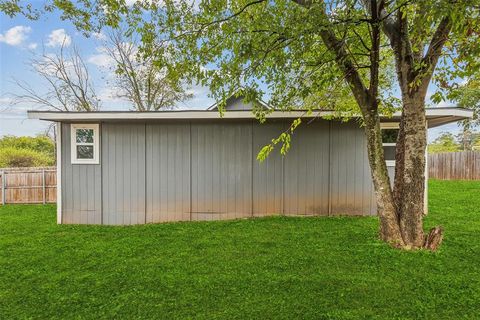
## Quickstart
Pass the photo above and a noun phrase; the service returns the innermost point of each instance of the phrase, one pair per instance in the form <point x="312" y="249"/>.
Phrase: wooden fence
<point x="28" y="185"/>
<point x="463" y="165"/>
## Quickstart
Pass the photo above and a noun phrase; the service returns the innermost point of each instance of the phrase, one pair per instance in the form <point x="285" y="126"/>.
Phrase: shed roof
<point x="435" y="116"/>
<point x="231" y="104"/>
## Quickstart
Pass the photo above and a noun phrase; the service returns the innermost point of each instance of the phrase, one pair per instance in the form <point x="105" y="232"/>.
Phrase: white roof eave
<point x="443" y="115"/>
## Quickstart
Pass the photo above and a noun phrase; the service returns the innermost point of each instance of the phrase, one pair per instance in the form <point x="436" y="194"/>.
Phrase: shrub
<point x="40" y="143"/>
<point x="17" y="157"/>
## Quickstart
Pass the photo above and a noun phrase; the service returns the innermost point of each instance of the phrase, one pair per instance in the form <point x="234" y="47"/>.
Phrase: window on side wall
<point x="389" y="141"/>
<point x="84" y="143"/>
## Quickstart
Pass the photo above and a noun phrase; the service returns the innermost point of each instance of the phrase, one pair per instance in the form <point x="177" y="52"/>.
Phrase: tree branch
<point x="374" y="52"/>
<point x="343" y="59"/>
<point x="205" y="25"/>
<point x="439" y="38"/>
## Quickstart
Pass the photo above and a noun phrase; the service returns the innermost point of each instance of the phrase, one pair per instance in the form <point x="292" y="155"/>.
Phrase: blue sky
<point x="20" y="38"/>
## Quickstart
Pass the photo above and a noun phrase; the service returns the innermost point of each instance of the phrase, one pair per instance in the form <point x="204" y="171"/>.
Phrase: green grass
<point x="283" y="268"/>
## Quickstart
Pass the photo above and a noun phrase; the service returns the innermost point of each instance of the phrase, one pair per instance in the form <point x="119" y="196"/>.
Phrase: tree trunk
<point x="410" y="170"/>
<point x="389" y="223"/>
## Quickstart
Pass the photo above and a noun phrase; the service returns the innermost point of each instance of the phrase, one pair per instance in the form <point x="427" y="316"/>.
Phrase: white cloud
<point x="5" y="100"/>
<point x="33" y="46"/>
<point x="99" y="36"/>
<point x="200" y="99"/>
<point x="111" y="100"/>
<point x="101" y="58"/>
<point x="15" y="36"/>
<point x="109" y="94"/>
<point x="58" y="38"/>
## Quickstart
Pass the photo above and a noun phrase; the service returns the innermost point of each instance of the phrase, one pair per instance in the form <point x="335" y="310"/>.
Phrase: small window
<point x="389" y="141"/>
<point x="389" y="135"/>
<point x="85" y="143"/>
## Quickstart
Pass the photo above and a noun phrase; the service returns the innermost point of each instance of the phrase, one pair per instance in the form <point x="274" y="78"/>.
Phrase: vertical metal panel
<point x="168" y="172"/>
<point x="221" y="170"/>
<point x="350" y="195"/>
<point x="123" y="174"/>
<point x="306" y="170"/>
<point x="81" y="192"/>
<point x="267" y="175"/>
<point x="208" y="170"/>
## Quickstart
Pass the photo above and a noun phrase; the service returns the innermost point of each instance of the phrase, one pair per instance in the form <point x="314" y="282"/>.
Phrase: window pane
<point x="389" y="135"/>
<point x="84" y="152"/>
<point x="84" y="135"/>
<point x="389" y="152"/>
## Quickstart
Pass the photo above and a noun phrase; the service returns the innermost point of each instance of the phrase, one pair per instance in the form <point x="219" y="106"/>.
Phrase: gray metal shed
<point x="123" y="168"/>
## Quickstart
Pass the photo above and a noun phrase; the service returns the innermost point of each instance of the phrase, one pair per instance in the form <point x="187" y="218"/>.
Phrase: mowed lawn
<point x="282" y="268"/>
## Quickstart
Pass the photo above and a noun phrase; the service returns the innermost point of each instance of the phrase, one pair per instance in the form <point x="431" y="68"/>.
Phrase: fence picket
<point x="463" y="165"/>
<point x="28" y="185"/>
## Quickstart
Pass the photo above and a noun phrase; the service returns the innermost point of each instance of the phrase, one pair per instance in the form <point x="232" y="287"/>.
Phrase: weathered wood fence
<point x="463" y="165"/>
<point x="28" y="185"/>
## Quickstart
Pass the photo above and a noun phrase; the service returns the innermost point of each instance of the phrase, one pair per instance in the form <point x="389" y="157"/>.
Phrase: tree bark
<point x="389" y="223"/>
<point x="410" y="170"/>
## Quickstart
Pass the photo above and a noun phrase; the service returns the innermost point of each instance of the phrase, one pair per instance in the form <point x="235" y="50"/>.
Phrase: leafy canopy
<point x="275" y="47"/>
<point x="26" y="151"/>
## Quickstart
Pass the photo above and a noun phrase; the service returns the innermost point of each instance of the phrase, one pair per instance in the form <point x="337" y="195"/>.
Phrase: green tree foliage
<point x="12" y="157"/>
<point x="468" y="139"/>
<point x="26" y="151"/>
<point x="446" y="142"/>
<point x="40" y="143"/>
<point x="467" y="96"/>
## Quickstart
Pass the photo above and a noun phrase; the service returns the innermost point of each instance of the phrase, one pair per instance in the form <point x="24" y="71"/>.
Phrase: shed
<point x="124" y="168"/>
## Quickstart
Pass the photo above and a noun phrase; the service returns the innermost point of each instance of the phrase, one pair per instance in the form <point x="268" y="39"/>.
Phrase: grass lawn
<point x="284" y="268"/>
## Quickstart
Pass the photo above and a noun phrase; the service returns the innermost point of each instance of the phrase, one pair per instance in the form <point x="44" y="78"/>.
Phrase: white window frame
<point x="389" y="125"/>
<point x="74" y="144"/>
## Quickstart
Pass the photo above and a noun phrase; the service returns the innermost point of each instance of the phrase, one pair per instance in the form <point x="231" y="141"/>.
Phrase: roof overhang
<point x="435" y="116"/>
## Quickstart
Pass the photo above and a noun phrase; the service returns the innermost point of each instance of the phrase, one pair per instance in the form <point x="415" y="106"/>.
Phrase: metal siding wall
<point x="268" y="175"/>
<point x="81" y="187"/>
<point x="123" y="174"/>
<point x="350" y="194"/>
<point x="168" y="172"/>
<point x="221" y="170"/>
<point x="391" y="174"/>
<point x="208" y="170"/>
<point x="306" y="170"/>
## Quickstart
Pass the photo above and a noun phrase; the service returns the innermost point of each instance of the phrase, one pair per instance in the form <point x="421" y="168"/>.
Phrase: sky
<point x="20" y="39"/>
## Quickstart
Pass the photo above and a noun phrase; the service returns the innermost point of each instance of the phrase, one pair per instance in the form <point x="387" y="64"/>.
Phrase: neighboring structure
<point x="237" y="103"/>
<point x="121" y="168"/>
